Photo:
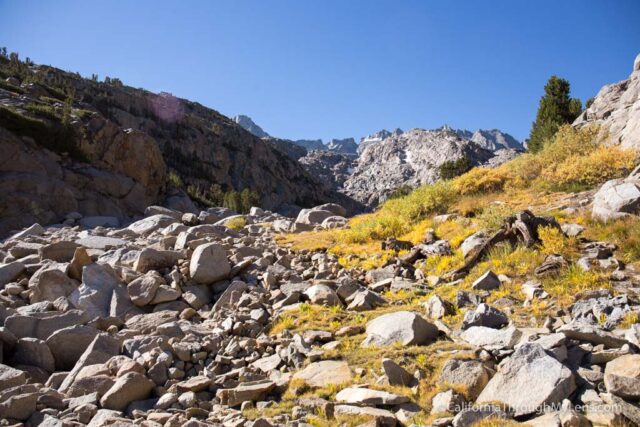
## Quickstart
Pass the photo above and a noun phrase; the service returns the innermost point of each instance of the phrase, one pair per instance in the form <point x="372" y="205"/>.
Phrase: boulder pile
<point x="168" y="322"/>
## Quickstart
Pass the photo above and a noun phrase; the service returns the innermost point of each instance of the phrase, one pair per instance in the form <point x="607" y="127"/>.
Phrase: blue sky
<point x="339" y="68"/>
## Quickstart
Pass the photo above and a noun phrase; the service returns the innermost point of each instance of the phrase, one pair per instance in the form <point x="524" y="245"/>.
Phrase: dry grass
<point x="237" y="223"/>
<point x="308" y="240"/>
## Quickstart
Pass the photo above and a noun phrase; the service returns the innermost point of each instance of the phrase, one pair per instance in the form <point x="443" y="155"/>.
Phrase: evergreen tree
<point x="248" y="199"/>
<point x="232" y="201"/>
<point x="556" y="108"/>
<point x="216" y="195"/>
<point x="66" y="111"/>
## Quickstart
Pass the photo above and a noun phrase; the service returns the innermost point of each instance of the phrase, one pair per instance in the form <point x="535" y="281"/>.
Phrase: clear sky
<point x="339" y="68"/>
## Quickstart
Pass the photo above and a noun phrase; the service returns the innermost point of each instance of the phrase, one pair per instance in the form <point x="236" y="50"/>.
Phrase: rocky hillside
<point x="107" y="150"/>
<point x="333" y="169"/>
<point x="409" y="159"/>
<point x="616" y="110"/>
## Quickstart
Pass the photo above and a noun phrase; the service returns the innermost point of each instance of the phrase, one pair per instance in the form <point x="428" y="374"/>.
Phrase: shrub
<point x="174" y="179"/>
<point x="43" y="110"/>
<point x="236" y="223"/>
<point x="423" y="201"/>
<point x="603" y="164"/>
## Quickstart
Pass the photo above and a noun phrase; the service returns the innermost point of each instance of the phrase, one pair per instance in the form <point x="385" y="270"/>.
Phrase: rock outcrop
<point x="618" y="198"/>
<point x="616" y="109"/>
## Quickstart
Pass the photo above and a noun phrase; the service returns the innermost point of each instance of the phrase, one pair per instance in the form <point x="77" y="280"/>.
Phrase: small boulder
<point x="209" y="264"/>
<point x="34" y="352"/>
<point x="470" y="375"/>
<point x="10" y="377"/>
<point x="143" y="289"/>
<point x="530" y="368"/>
<point x="617" y="198"/>
<point x="487" y="282"/>
<point x="472" y="244"/>
<point x="436" y="308"/>
<point x="484" y="315"/>
<point x="622" y="376"/>
<point x="127" y="388"/>
<point x="322" y="295"/>
<point x="396" y="374"/>
<point x="404" y="327"/>
<point x="313" y="216"/>
<point x="325" y="372"/>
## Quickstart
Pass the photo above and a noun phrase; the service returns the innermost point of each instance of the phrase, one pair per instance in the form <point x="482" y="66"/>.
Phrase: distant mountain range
<point x="386" y="160"/>
<point x="492" y="139"/>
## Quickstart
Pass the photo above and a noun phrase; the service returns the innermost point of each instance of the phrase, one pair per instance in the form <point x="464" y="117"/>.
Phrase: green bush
<point x="453" y="168"/>
<point x="43" y="110"/>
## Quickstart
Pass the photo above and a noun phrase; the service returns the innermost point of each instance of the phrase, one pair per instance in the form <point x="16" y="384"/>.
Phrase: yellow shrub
<point x="236" y="223"/>
<point x="600" y="165"/>
<point x="481" y="180"/>
<point x="377" y="226"/>
<point x="555" y="242"/>
<point x="423" y="201"/>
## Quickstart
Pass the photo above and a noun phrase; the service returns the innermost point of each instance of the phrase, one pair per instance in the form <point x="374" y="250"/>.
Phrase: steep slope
<point x="135" y="134"/>
<point x="409" y="159"/>
<point x="616" y="108"/>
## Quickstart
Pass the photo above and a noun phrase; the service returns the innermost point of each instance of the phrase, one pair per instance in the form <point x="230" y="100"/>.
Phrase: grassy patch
<point x="43" y="110"/>
<point x="573" y="280"/>
<point x="625" y="233"/>
<point x="308" y="240"/>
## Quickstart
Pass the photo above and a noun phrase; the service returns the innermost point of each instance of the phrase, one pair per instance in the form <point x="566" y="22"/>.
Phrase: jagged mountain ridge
<point x="343" y="146"/>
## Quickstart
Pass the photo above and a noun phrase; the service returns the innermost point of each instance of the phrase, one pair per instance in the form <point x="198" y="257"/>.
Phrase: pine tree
<point x="216" y="195"/>
<point x="232" y="201"/>
<point x="248" y="199"/>
<point x="66" y="111"/>
<point x="556" y="108"/>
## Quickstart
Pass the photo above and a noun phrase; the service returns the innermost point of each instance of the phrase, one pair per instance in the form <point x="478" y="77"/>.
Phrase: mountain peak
<point x="249" y="125"/>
